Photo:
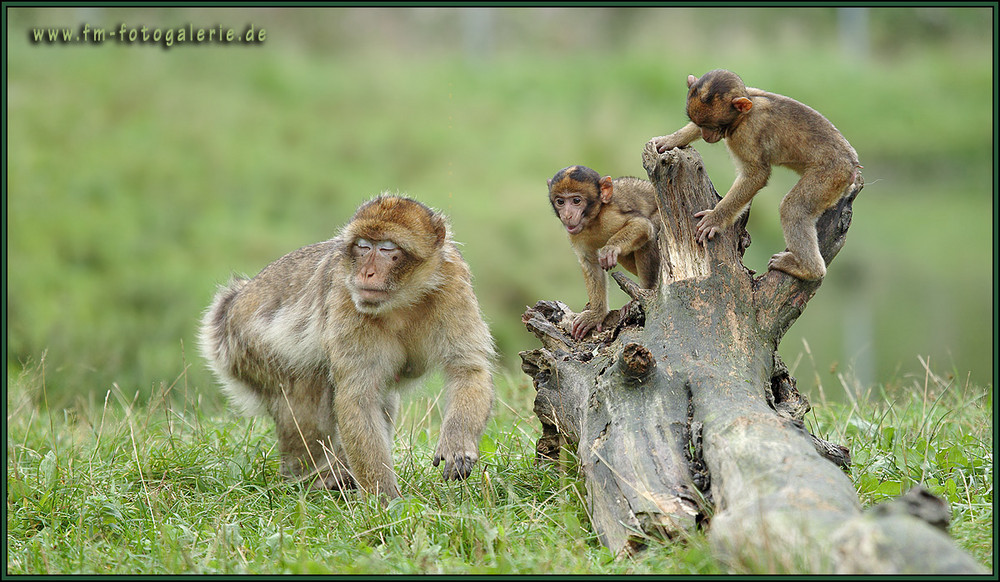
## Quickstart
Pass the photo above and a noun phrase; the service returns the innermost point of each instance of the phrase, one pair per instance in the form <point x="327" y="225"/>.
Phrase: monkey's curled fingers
<point x="456" y="465"/>
<point x="585" y="322"/>
<point x="665" y="143"/>
<point x="608" y="257"/>
<point x="708" y="226"/>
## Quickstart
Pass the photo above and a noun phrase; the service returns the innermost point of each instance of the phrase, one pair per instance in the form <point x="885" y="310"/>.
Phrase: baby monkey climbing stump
<point x="683" y="416"/>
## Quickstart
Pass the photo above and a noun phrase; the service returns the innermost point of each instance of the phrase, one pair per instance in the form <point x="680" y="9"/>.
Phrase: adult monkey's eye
<point x="361" y="247"/>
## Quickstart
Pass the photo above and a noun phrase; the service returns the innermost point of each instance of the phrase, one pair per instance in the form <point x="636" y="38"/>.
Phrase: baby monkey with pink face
<point x="761" y="130"/>
<point x="610" y="222"/>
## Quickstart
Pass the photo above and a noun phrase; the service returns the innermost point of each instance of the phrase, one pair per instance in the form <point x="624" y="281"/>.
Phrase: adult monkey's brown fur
<point x="323" y="339"/>
<point x="763" y="129"/>
<point x="609" y="222"/>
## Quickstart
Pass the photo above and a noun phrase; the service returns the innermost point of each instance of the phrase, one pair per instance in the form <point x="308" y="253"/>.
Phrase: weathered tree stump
<point x="682" y="414"/>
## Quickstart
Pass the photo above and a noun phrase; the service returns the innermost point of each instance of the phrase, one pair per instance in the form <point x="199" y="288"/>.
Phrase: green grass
<point x="181" y="486"/>
<point x="935" y="431"/>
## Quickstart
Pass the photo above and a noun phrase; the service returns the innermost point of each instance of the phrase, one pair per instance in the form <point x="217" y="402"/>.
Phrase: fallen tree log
<point x="682" y="415"/>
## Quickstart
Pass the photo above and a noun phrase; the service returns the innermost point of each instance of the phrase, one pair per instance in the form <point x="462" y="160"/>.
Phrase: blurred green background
<point x="140" y="177"/>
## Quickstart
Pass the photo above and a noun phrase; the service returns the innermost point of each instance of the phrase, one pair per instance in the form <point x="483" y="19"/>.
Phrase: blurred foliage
<point x="140" y="177"/>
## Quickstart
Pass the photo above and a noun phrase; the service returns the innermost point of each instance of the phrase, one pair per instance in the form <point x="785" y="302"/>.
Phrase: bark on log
<point x="681" y="412"/>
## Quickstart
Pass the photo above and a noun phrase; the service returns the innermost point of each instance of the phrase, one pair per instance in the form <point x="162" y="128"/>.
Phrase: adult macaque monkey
<point x="323" y="339"/>
<point x="609" y="222"/>
<point x="762" y="129"/>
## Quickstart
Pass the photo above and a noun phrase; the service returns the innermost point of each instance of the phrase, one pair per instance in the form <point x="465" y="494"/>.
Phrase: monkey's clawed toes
<point x="778" y="259"/>
<point x="335" y="481"/>
<point x="787" y="262"/>
<point x="586" y="322"/>
<point x="459" y="466"/>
